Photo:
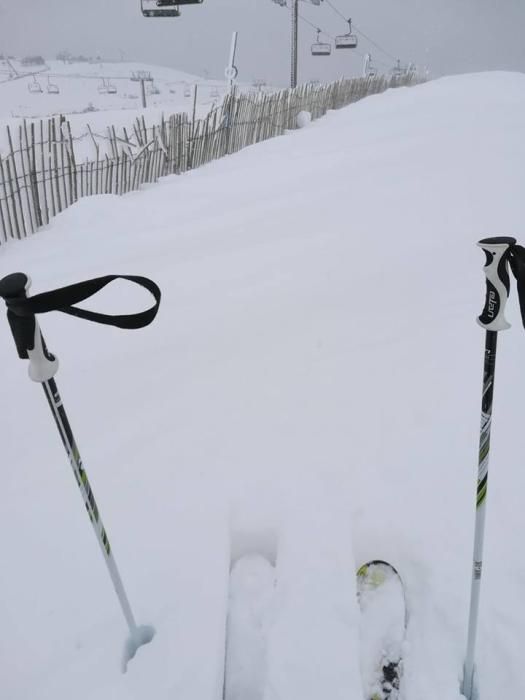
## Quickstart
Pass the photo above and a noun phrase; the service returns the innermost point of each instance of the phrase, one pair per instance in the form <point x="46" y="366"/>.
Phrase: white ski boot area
<point x="314" y="375"/>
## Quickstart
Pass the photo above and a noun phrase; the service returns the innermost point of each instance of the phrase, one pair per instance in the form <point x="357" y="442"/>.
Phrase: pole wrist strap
<point x="21" y="309"/>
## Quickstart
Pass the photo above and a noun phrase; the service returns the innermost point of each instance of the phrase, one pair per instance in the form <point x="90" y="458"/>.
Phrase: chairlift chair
<point x="35" y="86"/>
<point x="164" y="8"/>
<point x="107" y="88"/>
<point x="397" y="70"/>
<point x="214" y="92"/>
<point x="159" y="8"/>
<point x="187" y="91"/>
<point x="320" y="48"/>
<point x="52" y="88"/>
<point x="411" y="69"/>
<point x="259" y="84"/>
<point x="370" y="71"/>
<point x="346" y="41"/>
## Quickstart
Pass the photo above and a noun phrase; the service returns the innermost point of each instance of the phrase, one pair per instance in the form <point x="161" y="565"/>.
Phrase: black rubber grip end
<point x="498" y="240"/>
<point x="13" y="286"/>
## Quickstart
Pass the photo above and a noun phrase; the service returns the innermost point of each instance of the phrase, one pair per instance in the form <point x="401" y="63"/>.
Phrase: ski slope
<point x="310" y="391"/>
<point x="83" y="97"/>
<point x="81" y="84"/>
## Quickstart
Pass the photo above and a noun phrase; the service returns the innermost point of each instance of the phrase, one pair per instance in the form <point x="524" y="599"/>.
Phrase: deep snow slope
<point x="310" y="390"/>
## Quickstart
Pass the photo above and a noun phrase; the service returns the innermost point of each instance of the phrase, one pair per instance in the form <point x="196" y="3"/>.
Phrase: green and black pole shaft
<point x="497" y="251"/>
<point x="43" y="366"/>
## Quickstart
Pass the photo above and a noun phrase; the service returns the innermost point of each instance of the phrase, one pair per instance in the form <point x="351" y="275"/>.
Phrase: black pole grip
<point x="29" y="341"/>
<point x="12" y="287"/>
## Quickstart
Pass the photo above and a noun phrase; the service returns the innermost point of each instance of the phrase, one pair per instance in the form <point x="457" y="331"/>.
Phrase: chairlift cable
<point x="315" y="26"/>
<point x="374" y="43"/>
<point x="336" y="10"/>
<point x="330" y="36"/>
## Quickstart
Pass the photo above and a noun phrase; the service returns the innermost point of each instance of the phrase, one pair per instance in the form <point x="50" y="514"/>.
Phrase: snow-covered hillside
<point x="91" y="86"/>
<point x="310" y="390"/>
<point x="86" y="94"/>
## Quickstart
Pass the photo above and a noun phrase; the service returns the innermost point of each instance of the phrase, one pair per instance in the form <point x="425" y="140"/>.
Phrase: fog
<point x="447" y="36"/>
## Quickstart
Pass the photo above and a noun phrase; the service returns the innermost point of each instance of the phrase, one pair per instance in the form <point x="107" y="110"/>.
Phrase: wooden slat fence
<point x="41" y="176"/>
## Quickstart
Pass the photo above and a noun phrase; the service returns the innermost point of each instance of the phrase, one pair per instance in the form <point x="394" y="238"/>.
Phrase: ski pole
<point x="43" y="366"/>
<point x="497" y="251"/>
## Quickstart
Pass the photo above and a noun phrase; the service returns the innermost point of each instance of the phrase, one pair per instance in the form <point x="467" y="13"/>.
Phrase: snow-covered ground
<point x="83" y="84"/>
<point x="310" y="391"/>
<point x="83" y="96"/>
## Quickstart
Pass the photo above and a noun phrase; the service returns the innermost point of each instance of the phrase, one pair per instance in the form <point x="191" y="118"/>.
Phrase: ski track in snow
<point x="252" y="583"/>
<point x="314" y="374"/>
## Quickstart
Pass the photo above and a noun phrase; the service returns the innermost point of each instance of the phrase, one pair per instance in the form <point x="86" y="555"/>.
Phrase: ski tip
<point x="377" y="571"/>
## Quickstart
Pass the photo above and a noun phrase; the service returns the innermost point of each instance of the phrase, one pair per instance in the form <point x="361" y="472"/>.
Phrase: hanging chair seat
<point x="159" y="8"/>
<point x="321" y="49"/>
<point x="346" y="41"/>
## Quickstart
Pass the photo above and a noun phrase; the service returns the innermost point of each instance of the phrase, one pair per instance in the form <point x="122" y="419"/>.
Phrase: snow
<point x="80" y="98"/>
<point x="303" y="119"/>
<point x="252" y="583"/>
<point x="81" y="84"/>
<point x="310" y="390"/>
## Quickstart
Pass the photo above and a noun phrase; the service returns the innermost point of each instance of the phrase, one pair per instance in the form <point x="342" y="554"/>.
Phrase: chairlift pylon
<point x="346" y="41"/>
<point x="320" y="48"/>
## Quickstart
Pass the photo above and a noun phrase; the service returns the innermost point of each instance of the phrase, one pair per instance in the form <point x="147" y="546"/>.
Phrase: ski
<point x="382" y="628"/>
<point x="381" y="597"/>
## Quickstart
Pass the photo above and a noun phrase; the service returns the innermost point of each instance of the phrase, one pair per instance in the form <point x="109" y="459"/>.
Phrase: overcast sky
<point x="448" y="36"/>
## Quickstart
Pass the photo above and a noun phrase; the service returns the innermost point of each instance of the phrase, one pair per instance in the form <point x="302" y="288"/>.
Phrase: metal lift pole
<point x="231" y="71"/>
<point x="295" y="22"/>
<point x="142" y="77"/>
